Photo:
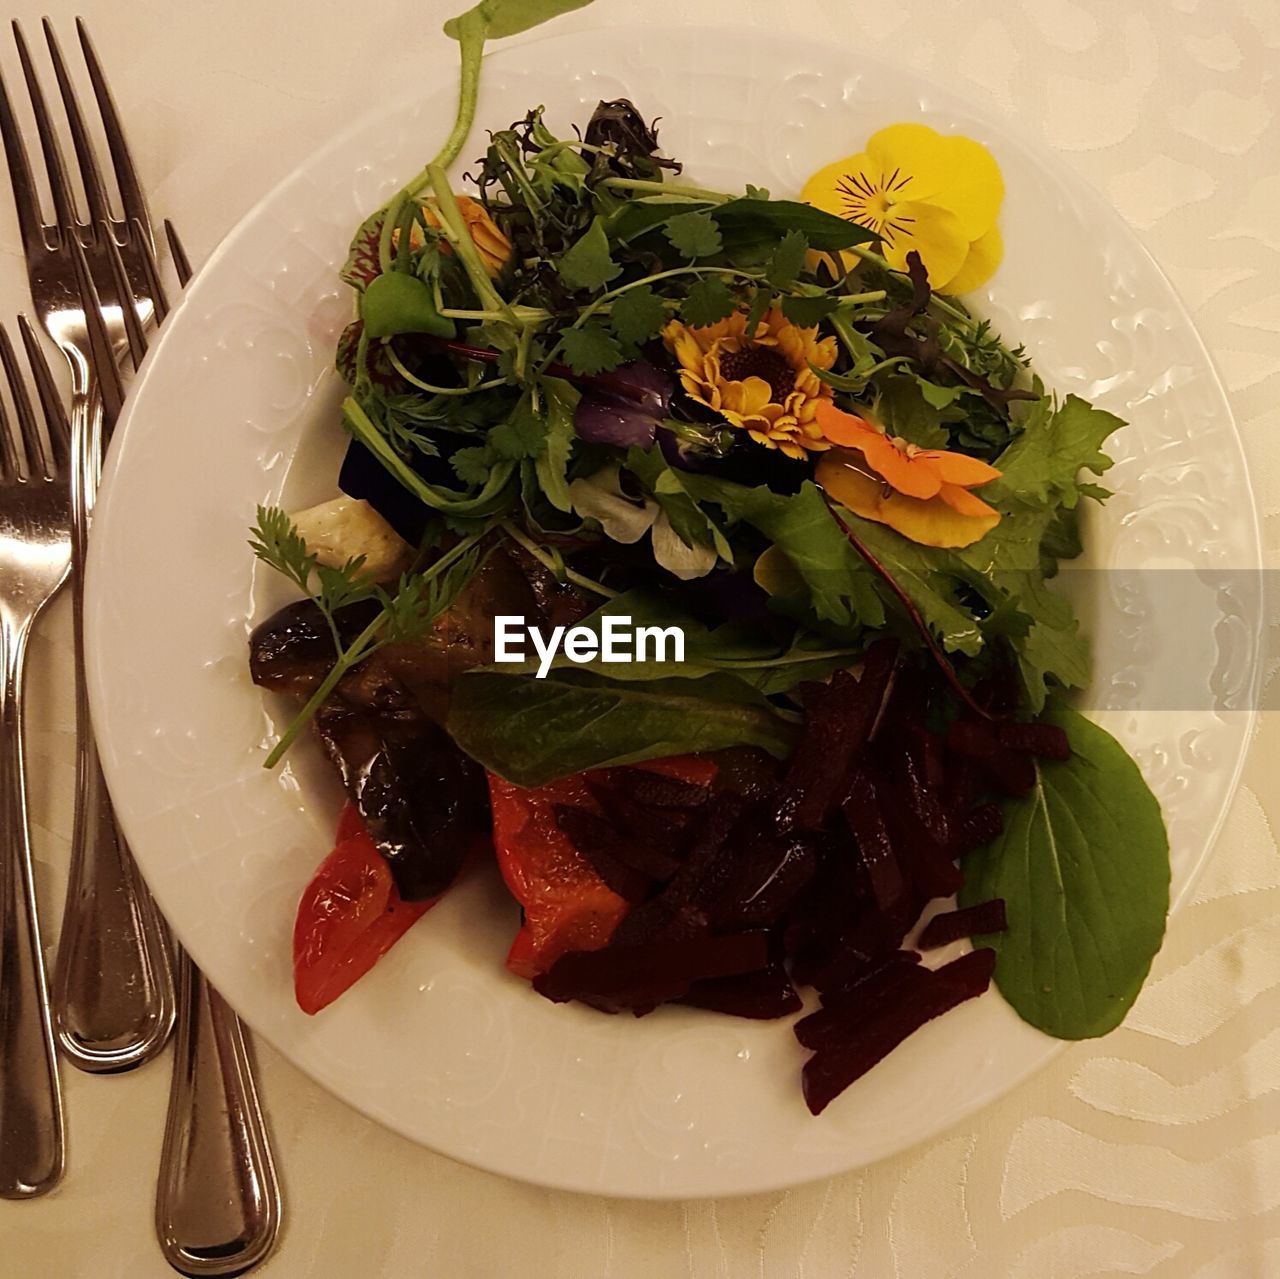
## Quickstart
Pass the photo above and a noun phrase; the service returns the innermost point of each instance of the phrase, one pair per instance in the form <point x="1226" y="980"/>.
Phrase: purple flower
<point x="624" y="408"/>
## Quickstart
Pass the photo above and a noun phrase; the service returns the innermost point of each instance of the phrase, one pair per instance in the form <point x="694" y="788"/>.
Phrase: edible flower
<point x="624" y="408"/>
<point x="493" y="246"/>
<point x="623" y="519"/>
<point x="937" y="194"/>
<point x="924" y="494"/>
<point x="762" y="383"/>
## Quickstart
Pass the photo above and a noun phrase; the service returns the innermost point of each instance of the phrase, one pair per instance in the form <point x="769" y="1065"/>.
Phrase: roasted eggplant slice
<point x="421" y="799"/>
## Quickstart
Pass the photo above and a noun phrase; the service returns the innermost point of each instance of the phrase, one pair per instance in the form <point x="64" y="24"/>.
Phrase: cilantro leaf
<point x="590" y="349"/>
<point x="471" y="465"/>
<point x="588" y="264"/>
<point x="1041" y="466"/>
<point x="787" y="260"/>
<point x="695" y="235"/>
<point x="523" y="434"/>
<point x="756" y="193"/>
<point x="806" y="312"/>
<point x="637" y="315"/>
<point x="760" y="301"/>
<point x="708" y="302"/>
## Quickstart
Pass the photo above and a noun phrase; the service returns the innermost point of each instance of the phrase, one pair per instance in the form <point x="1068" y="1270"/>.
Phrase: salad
<point x="586" y="395"/>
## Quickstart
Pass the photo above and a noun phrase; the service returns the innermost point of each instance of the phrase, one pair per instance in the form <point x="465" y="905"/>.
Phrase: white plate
<point x="237" y="406"/>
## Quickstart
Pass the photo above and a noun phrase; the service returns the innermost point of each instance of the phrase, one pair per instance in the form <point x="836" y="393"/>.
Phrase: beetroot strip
<point x="626" y="969"/>
<point x="862" y="812"/>
<point x="829" y="1072"/>
<point x="952" y="925"/>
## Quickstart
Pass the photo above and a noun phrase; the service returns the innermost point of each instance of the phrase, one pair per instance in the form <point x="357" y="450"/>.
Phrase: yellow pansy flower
<point x="937" y="194"/>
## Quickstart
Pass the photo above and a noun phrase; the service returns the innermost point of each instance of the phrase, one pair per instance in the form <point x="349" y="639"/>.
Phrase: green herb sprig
<point x="406" y="615"/>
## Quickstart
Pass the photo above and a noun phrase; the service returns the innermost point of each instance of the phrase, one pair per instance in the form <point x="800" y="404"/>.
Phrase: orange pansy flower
<point x="924" y="494"/>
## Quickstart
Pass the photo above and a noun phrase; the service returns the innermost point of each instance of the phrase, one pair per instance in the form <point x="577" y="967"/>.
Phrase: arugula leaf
<point x="638" y="217"/>
<point x="1083" y="867"/>
<point x="1042" y="465"/>
<point x="588" y="264"/>
<point x="1053" y="647"/>
<point x="787" y="260"/>
<point x="397" y="303"/>
<point x="552" y="462"/>
<point x="637" y="315"/>
<point x="840" y="587"/>
<point x="590" y="349"/>
<point x="709" y="301"/>
<point x="752" y="224"/>
<point x="807" y="311"/>
<point x="532" y="731"/>
<point x="694" y="235"/>
<point x="923" y="573"/>
<point x="1061" y="539"/>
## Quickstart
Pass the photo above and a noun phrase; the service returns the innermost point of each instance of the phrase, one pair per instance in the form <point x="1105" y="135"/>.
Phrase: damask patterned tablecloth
<point x="1154" y="1152"/>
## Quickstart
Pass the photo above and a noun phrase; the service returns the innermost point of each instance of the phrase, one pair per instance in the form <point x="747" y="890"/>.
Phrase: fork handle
<point x="218" y="1203"/>
<point x="113" y="994"/>
<point x="31" y="1125"/>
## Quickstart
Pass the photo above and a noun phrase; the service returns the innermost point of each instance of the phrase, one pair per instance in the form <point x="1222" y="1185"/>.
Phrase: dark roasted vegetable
<point x="422" y="800"/>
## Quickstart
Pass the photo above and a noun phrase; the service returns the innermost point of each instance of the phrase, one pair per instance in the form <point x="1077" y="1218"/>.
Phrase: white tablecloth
<point x="1155" y="1152"/>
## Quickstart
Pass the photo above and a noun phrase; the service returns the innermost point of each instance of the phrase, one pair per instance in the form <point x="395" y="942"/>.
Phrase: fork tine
<point x="33" y="442"/>
<point x="94" y="189"/>
<point x="10" y="459"/>
<point x="132" y="199"/>
<point x="102" y="357"/>
<point x="151" y="272"/>
<point x="55" y="415"/>
<point x="124" y="291"/>
<point x="24" y="188"/>
<point x="64" y="209"/>
<point x="181" y="263"/>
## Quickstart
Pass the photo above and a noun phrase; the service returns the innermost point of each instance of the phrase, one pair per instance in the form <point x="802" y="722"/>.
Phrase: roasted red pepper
<point x="567" y="906"/>
<point x="350" y="915"/>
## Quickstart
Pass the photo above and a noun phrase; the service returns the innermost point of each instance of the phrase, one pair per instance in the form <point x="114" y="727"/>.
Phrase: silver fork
<point x="218" y="1202"/>
<point x="113" y="993"/>
<point x="35" y="559"/>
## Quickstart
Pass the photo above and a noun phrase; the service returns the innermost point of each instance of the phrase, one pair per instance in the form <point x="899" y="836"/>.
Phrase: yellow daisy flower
<point x="762" y="384"/>
<point x="918" y="189"/>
